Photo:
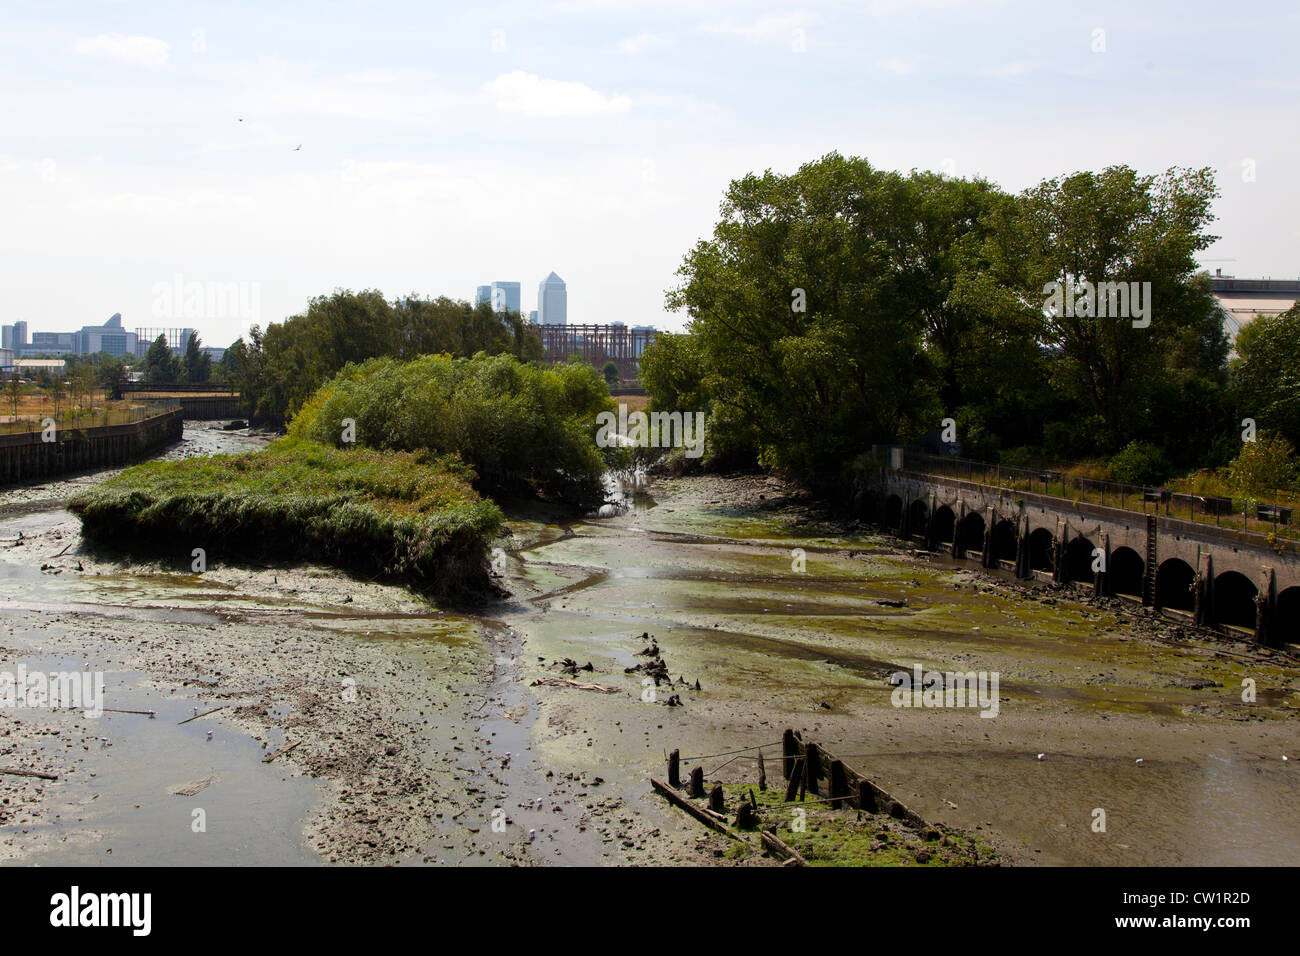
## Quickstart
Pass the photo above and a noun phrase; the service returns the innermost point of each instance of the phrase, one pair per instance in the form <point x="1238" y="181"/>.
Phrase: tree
<point x="1266" y="373"/>
<point x="1267" y="464"/>
<point x="197" y="363"/>
<point x="14" y="393"/>
<point x="160" y="366"/>
<point x="110" y="373"/>
<point x="611" y="373"/>
<point x="1067" y="236"/>
<point x="806" y="317"/>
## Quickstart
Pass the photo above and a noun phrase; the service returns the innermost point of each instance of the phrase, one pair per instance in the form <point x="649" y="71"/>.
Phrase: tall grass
<point x="399" y="515"/>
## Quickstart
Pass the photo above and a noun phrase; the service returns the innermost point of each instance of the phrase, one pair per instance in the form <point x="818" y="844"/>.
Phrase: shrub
<point x="518" y="426"/>
<point x="1139" y="463"/>
<point x="1266" y="464"/>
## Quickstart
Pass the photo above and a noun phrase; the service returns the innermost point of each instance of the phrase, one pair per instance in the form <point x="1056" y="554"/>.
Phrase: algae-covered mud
<point x="422" y="736"/>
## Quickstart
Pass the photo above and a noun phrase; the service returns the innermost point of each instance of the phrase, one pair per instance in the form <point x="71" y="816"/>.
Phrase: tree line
<point x="843" y="305"/>
<point x="278" y="368"/>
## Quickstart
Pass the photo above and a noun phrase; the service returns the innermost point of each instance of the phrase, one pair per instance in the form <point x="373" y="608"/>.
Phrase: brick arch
<point x="1125" y="571"/>
<point x="1042" y="550"/>
<point x="970" y="532"/>
<point x="1002" y="541"/>
<point x="944" y="525"/>
<point x="1234" y="600"/>
<point x="1174" y="578"/>
<point x="1078" y="559"/>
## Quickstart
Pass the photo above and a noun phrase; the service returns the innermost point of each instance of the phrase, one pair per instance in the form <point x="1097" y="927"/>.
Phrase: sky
<point x="284" y="150"/>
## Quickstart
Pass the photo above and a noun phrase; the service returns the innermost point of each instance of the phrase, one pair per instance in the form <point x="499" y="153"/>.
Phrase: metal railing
<point x="1245" y="514"/>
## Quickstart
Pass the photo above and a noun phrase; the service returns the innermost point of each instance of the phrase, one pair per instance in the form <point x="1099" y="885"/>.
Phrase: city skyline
<point x="170" y="135"/>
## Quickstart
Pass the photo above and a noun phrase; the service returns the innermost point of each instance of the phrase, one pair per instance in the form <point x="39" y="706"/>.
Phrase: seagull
<point x="298" y="147"/>
<point x="1042" y="756"/>
<point x="1139" y="760"/>
<point x="209" y="735"/>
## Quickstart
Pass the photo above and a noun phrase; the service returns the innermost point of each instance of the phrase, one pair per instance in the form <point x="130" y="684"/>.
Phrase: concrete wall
<point x="24" y="457"/>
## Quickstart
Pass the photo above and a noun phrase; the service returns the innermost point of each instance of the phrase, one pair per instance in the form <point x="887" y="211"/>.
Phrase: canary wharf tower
<point x="552" y="301"/>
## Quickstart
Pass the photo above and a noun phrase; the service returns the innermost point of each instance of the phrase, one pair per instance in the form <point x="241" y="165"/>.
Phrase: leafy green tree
<point x="110" y="373"/>
<point x="807" y="319"/>
<point x="1266" y="373"/>
<point x="1139" y="463"/>
<point x="1117" y="226"/>
<point x="160" y="366"/>
<point x="197" y="363"/>
<point x="611" y="373"/>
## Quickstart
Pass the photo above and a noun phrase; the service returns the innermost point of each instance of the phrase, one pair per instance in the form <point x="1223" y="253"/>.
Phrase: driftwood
<point x="708" y="819"/>
<point x="115" y="710"/>
<point x="204" y="714"/>
<point x="581" y="685"/>
<point x="778" y="846"/>
<point x="193" y="787"/>
<point x="30" y="773"/>
<point x="283" y="750"/>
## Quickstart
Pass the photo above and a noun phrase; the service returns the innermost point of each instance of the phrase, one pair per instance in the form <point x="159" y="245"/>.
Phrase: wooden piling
<point x="839" y="784"/>
<point x="675" y="769"/>
<point x="716" y="802"/>
<point x="796" y="775"/>
<point x="762" y="773"/>
<point x="697" y="782"/>
<point x="789" y="751"/>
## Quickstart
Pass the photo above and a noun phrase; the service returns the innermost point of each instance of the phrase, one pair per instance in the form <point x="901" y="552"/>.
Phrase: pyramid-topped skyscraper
<point x="552" y="301"/>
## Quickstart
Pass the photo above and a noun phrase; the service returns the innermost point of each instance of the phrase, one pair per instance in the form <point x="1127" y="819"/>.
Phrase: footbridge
<point x="1229" y="579"/>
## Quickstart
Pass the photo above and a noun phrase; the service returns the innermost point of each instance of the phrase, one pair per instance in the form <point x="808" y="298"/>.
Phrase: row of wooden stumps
<point x="802" y="764"/>
<point x="713" y="813"/>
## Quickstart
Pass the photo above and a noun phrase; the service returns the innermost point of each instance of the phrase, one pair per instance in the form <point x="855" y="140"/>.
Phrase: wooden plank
<point x="781" y="848"/>
<point x="283" y="750"/>
<point x="698" y="813"/>
<point x="29" y="773"/>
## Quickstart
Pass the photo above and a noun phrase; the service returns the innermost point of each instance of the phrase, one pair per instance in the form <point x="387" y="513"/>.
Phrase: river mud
<point x="421" y="735"/>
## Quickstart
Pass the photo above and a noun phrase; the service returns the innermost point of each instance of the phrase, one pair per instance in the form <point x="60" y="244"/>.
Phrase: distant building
<point x="214" y="352"/>
<point x="6" y="358"/>
<point x="6" y="337"/>
<point x="177" y="340"/>
<point x="552" y="301"/>
<point x="109" y="337"/>
<point x="483" y="294"/>
<point x="532" y="317"/>
<point x="1242" y="299"/>
<point x="19" y="335"/>
<point x="48" y="343"/>
<point x="53" y="366"/>
<point x="505" y="297"/>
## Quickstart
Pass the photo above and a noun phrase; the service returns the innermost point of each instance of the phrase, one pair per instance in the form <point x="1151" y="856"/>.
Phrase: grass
<point x="849" y="838"/>
<point x="399" y="515"/>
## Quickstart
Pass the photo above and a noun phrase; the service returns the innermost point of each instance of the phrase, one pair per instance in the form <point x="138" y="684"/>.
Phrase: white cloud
<point x="1010" y="70"/>
<point x="532" y="95"/>
<point x="148" y="52"/>
<point x="641" y="42"/>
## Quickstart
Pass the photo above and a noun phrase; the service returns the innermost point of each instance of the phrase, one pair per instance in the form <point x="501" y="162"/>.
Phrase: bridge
<point x="1233" y="580"/>
<point x="199" y="401"/>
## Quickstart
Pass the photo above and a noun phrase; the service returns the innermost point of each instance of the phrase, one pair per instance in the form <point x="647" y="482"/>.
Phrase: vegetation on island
<point x="401" y="515"/>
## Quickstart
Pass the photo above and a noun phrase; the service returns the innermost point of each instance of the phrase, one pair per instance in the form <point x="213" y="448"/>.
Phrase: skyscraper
<point x="505" y="296"/>
<point x="20" y="334"/>
<point x="483" y="294"/>
<point x="552" y="301"/>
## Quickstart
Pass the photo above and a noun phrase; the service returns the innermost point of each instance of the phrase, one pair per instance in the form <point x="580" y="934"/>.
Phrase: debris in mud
<point x="193" y="787"/>
<point x="580" y="685"/>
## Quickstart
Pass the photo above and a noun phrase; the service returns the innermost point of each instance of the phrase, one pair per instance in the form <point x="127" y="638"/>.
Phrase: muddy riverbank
<point x="426" y="736"/>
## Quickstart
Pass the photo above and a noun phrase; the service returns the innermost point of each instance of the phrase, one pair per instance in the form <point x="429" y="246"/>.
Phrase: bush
<point x="1139" y="463"/>
<point x="520" y="427"/>
<point x="1266" y="464"/>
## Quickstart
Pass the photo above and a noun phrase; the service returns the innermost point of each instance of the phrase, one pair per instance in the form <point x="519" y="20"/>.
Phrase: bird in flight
<point x="298" y="147"/>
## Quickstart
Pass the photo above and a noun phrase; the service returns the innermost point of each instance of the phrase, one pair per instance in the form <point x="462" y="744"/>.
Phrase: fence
<point x="85" y="418"/>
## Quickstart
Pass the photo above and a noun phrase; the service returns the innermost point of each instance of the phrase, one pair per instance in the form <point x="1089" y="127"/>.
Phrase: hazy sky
<point x="448" y="145"/>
